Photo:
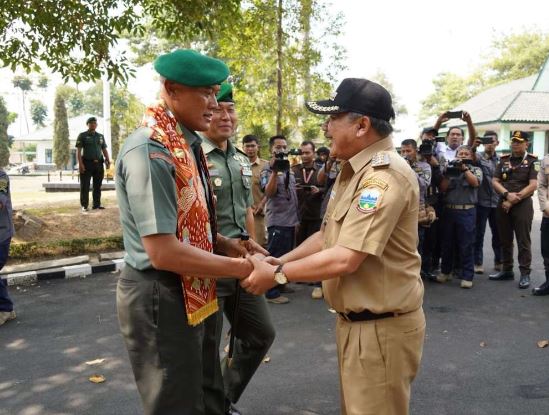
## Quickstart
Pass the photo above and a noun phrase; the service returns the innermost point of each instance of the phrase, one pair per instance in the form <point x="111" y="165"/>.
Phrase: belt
<point x="365" y="315"/>
<point x="460" y="207"/>
<point x="93" y="161"/>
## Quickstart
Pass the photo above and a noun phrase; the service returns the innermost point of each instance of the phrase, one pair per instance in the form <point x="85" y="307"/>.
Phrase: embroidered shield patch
<point x="369" y="200"/>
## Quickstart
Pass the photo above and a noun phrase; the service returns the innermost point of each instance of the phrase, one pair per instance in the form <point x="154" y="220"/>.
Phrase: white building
<point x="43" y="139"/>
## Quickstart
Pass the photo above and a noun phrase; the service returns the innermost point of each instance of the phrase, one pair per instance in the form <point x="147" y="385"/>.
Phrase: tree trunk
<point x="279" y="71"/>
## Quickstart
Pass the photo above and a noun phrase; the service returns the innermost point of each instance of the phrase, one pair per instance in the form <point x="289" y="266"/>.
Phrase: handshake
<point x="261" y="277"/>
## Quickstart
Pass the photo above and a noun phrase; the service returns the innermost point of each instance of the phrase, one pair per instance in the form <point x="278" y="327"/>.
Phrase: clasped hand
<point x="262" y="277"/>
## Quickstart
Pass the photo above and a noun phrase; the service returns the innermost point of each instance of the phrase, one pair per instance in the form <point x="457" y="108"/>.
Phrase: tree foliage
<point x="61" y="140"/>
<point x="511" y="57"/>
<point x="24" y="83"/>
<point x="77" y="38"/>
<point x="39" y="112"/>
<point x="4" y="143"/>
<point x="381" y="78"/>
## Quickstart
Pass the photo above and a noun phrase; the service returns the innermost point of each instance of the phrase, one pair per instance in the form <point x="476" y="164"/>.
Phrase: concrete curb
<point x="66" y="272"/>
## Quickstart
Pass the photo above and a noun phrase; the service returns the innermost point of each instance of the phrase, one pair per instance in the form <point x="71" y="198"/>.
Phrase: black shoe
<point x="524" y="281"/>
<point x="232" y="410"/>
<point x="502" y="276"/>
<point x="543" y="289"/>
<point x="285" y="289"/>
<point x="98" y="207"/>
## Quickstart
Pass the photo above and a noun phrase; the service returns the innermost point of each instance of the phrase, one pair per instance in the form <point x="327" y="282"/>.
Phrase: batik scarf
<point x="195" y="219"/>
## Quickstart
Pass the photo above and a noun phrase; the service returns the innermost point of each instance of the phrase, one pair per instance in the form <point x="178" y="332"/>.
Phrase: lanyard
<point x="307" y="177"/>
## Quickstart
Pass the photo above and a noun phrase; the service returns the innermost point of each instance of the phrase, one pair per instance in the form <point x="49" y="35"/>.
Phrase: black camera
<point x="454" y="167"/>
<point x="281" y="162"/>
<point x="426" y="148"/>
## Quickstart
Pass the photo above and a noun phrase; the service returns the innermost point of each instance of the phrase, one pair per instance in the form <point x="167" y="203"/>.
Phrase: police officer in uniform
<point x="366" y="253"/>
<point x="515" y="179"/>
<point x="167" y="288"/>
<point x="231" y="177"/>
<point x="543" y="193"/>
<point x="91" y="153"/>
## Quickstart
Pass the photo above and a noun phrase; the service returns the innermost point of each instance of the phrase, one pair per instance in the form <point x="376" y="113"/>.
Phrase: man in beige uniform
<point x="366" y="254"/>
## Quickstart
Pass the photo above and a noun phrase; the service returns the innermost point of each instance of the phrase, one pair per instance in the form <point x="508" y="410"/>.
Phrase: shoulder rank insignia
<point x="4" y="185"/>
<point x="381" y="161"/>
<point x="536" y="165"/>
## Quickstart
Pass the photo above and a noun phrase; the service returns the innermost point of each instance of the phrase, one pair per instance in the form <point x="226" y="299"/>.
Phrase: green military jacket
<point x="146" y="193"/>
<point x="231" y="178"/>
<point x="92" y="144"/>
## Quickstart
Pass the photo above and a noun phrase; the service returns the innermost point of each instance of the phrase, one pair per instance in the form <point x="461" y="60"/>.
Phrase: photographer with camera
<point x="309" y="198"/>
<point x="515" y="180"/>
<point x="460" y="184"/>
<point x="454" y="135"/>
<point x="488" y="198"/>
<point x="279" y="185"/>
<point x="430" y="253"/>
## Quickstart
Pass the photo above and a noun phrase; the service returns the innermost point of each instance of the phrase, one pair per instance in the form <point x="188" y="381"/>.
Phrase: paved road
<point x="63" y="324"/>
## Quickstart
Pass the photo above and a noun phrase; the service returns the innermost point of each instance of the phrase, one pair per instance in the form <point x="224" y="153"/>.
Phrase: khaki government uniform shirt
<point x="374" y="209"/>
<point x="257" y="166"/>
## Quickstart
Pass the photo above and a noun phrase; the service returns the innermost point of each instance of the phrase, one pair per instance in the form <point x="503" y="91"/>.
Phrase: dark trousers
<point x="5" y="301"/>
<point x="165" y="352"/>
<point x="486" y="214"/>
<point x="518" y="220"/>
<point x="545" y="245"/>
<point x="95" y="171"/>
<point x="428" y="241"/>
<point x="254" y="335"/>
<point x="280" y="241"/>
<point x="458" y="228"/>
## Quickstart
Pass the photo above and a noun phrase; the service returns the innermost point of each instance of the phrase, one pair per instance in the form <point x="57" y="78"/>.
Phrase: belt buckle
<point x="345" y="317"/>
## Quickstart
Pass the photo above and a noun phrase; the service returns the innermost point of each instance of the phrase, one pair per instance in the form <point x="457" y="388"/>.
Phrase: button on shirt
<point x="92" y="143"/>
<point x="515" y="173"/>
<point x="444" y="150"/>
<point x="375" y="211"/>
<point x="281" y="208"/>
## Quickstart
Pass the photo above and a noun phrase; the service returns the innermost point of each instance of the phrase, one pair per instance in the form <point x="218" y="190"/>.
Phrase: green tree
<point x="61" y="141"/>
<point x="43" y="82"/>
<point x="510" y="57"/>
<point x="76" y="38"/>
<point x="4" y="143"/>
<point x="39" y="113"/>
<point x="24" y="83"/>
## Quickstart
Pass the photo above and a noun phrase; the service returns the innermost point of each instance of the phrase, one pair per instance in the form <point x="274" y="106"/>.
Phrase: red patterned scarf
<point x="195" y="219"/>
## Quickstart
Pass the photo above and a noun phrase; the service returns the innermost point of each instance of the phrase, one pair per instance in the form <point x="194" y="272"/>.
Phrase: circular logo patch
<point x="369" y="200"/>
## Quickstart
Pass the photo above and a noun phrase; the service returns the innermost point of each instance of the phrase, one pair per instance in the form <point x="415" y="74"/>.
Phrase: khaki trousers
<point x="378" y="360"/>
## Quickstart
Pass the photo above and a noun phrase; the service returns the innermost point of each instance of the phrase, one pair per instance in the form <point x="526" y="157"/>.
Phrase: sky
<point x="410" y="41"/>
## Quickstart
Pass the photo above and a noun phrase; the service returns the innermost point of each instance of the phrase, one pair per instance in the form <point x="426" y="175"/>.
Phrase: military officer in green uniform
<point x="231" y="178"/>
<point x="166" y="290"/>
<point x="91" y="153"/>
<point x="515" y="179"/>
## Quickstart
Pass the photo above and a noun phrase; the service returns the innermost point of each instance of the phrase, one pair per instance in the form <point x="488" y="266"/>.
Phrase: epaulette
<point x="381" y="160"/>
<point x="532" y="155"/>
<point x="240" y="151"/>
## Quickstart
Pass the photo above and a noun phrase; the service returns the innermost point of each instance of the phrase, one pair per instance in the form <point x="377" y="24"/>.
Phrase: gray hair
<point x="382" y="127"/>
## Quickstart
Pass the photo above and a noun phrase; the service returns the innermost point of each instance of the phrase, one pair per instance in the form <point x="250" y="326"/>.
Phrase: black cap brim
<point x="325" y="107"/>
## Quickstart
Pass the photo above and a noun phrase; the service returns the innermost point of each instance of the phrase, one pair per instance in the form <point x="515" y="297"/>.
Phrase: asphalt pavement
<point x="481" y="355"/>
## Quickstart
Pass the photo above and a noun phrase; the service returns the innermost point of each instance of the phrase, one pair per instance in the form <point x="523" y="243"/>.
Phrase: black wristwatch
<point x="504" y="195"/>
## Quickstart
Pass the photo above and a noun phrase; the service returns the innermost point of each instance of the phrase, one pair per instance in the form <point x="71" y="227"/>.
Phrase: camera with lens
<point x="427" y="147"/>
<point x="454" y="167"/>
<point x="281" y="162"/>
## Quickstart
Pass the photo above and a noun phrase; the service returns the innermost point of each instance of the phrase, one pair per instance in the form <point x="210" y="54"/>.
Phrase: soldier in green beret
<point x="231" y="176"/>
<point x="91" y="153"/>
<point x="173" y="252"/>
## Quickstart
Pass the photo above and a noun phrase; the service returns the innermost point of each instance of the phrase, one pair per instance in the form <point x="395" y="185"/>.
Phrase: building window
<point x="49" y="158"/>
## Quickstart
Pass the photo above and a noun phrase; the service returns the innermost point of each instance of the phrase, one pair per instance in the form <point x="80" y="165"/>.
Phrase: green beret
<point x="225" y="93"/>
<point x="188" y="67"/>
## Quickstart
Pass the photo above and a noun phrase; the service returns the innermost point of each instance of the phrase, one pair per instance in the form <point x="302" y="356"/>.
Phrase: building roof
<point x="76" y="126"/>
<point x="523" y="100"/>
